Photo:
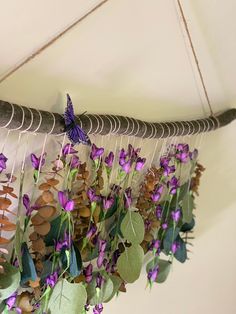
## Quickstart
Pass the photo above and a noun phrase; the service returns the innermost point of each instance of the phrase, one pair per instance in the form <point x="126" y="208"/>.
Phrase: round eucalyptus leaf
<point x="187" y="208"/>
<point x="116" y="285"/>
<point x="181" y="253"/>
<point x="170" y="236"/>
<point x="164" y="269"/>
<point x="132" y="227"/>
<point x="100" y="296"/>
<point x="67" y="298"/>
<point x="130" y="263"/>
<point x="9" y="281"/>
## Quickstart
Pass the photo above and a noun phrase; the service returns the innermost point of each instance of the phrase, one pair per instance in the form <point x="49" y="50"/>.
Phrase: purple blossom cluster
<point x="130" y="157"/>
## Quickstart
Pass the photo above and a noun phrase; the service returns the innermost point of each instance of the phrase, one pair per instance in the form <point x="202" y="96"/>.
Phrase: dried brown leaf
<point x="4" y="203"/>
<point x="47" y="196"/>
<point x="23" y="302"/>
<point x="44" y="187"/>
<point x="4" y="240"/>
<point x="52" y="182"/>
<point x="37" y="219"/>
<point x="43" y="229"/>
<point x="47" y="211"/>
<point x="84" y="212"/>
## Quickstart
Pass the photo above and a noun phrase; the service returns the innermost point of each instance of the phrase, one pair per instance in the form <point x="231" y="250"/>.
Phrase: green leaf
<point x="187" y="208"/>
<point x="164" y="269"/>
<point x="130" y="263"/>
<point x="75" y="261"/>
<point x="188" y="226"/>
<point x="132" y="227"/>
<point x="29" y="271"/>
<point x="181" y="253"/>
<point x="117" y="281"/>
<point x="153" y="263"/>
<point x="9" y="281"/>
<point x="170" y="236"/>
<point x="67" y="298"/>
<point x="56" y="232"/>
<point x="183" y="190"/>
<point x="18" y="241"/>
<point x="105" y="292"/>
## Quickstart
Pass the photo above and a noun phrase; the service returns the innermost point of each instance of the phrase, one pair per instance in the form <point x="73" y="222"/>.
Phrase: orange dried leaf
<point x="8" y="226"/>
<point x="33" y="236"/>
<point x="43" y="229"/>
<point x="40" y="201"/>
<point x="4" y="203"/>
<point x="4" y="240"/>
<point x="47" y="196"/>
<point x="47" y="211"/>
<point x="37" y="220"/>
<point x="34" y="284"/>
<point x="52" y="182"/>
<point x="23" y="302"/>
<point x="38" y="245"/>
<point x="44" y="187"/>
<point x="84" y="212"/>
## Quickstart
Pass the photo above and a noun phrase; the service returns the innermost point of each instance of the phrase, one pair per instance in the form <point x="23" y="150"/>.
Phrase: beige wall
<point x="130" y="58"/>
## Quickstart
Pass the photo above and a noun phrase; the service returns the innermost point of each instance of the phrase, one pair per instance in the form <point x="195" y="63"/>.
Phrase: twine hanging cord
<point x="195" y="56"/>
<point x="52" y="41"/>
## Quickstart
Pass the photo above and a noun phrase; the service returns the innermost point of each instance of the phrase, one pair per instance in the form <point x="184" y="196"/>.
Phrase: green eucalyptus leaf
<point x="57" y="231"/>
<point x="2" y="307"/>
<point x="29" y="271"/>
<point x="187" y="208"/>
<point x="18" y="241"/>
<point x="153" y="263"/>
<point x="188" y="226"/>
<point x="181" y="253"/>
<point x="9" y="281"/>
<point x="117" y="281"/>
<point x="164" y="269"/>
<point x="104" y="293"/>
<point x="130" y="263"/>
<point x="132" y="227"/>
<point x="75" y="261"/>
<point x="170" y="236"/>
<point x="67" y="298"/>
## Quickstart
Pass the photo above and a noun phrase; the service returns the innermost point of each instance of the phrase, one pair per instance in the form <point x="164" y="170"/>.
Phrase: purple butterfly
<point x="74" y="132"/>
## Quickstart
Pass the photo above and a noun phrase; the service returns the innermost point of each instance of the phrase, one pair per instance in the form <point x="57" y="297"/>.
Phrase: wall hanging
<point x="87" y="200"/>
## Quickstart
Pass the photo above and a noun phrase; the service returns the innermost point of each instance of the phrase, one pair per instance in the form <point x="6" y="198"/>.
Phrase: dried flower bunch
<point x="83" y="236"/>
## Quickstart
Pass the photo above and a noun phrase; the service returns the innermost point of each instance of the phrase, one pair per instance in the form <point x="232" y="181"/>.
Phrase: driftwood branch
<point x="21" y="118"/>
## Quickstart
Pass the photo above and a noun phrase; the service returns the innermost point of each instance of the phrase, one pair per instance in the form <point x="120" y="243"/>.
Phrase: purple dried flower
<point x="126" y="167"/>
<point x="156" y="195"/>
<point x="10" y="301"/>
<point x="182" y="153"/>
<point x="152" y="274"/>
<point x="164" y="226"/>
<point x="68" y="149"/>
<point x="98" y="309"/>
<point x="96" y="152"/>
<point x="3" y="160"/>
<point x="66" y="204"/>
<point x="174" y="247"/>
<point x="173" y="184"/>
<point x="99" y="280"/>
<point x="155" y="245"/>
<point x="128" y="197"/>
<point x="158" y="211"/>
<point x="109" y="159"/>
<point x="88" y="273"/>
<point x="26" y="203"/>
<point x="92" y="195"/>
<point x="75" y="162"/>
<point x="140" y="163"/>
<point x="91" y="232"/>
<point x="164" y="162"/>
<point x="108" y="202"/>
<point x="133" y="153"/>
<point x="176" y="215"/>
<point x="36" y="161"/>
<point x="101" y="252"/>
<point x="63" y="244"/>
<point x="51" y="280"/>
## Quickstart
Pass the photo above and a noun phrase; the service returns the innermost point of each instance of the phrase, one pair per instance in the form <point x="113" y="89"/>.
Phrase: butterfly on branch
<point x="74" y="132"/>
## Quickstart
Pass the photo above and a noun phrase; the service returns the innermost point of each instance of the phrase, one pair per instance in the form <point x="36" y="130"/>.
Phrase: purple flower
<point x="108" y="202"/>
<point x="164" y="163"/>
<point x="10" y="301"/>
<point x="63" y="244"/>
<point x="140" y="163"/>
<point x="158" y="211"/>
<point x="66" y="204"/>
<point x="29" y="208"/>
<point x="51" y="280"/>
<point x="164" y="226"/>
<point x="155" y="245"/>
<point x="101" y="252"/>
<point x="98" y="309"/>
<point x="128" y="197"/>
<point x="156" y="195"/>
<point x="92" y="195"/>
<point x="36" y="161"/>
<point x="88" y="273"/>
<point x="68" y="149"/>
<point x="173" y="184"/>
<point x="99" y="281"/>
<point x="176" y="215"/>
<point x="182" y="153"/>
<point x="3" y="160"/>
<point x="152" y="274"/>
<point x="126" y="167"/>
<point x="109" y="159"/>
<point x="96" y="152"/>
<point x="91" y="232"/>
<point x="122" y="156"/>
<point x="133" y="153"/>
<point x="75" y="162"/>
<point x="174" y="247"/>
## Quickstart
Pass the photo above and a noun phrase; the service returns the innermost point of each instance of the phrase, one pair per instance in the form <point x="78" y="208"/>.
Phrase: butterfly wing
<point x="77" y="135"/>
<point x="69" y="112"/>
